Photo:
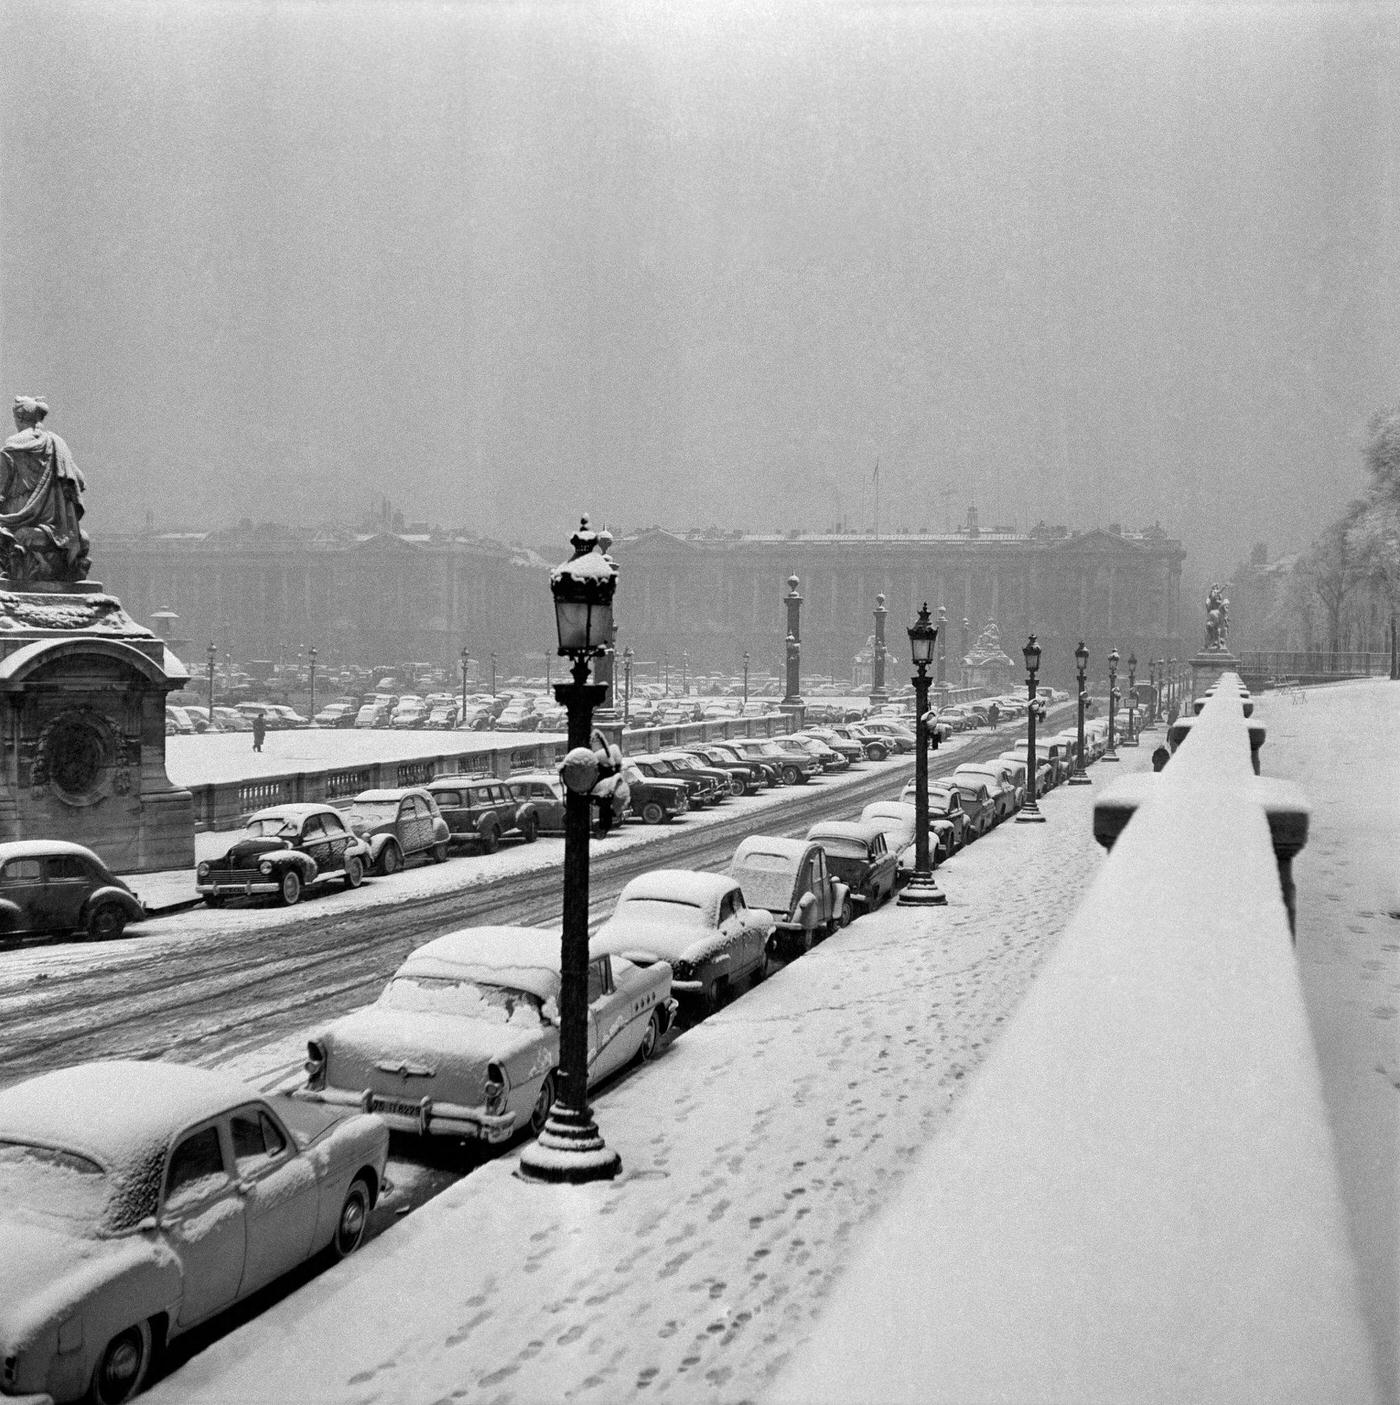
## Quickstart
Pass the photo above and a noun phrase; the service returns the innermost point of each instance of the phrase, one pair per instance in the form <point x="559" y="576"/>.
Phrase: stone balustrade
<point x="1137" y="1198"/>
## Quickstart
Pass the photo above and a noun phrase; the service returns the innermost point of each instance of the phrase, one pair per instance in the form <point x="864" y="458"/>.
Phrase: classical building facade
<point x="716" y="596"/>
<point x="687" y="601"/>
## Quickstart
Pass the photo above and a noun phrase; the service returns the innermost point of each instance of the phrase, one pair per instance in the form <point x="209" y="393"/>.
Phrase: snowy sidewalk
<point x="753" y="1151"/>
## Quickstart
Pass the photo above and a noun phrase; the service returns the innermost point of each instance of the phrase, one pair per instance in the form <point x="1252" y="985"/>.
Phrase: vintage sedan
<point x="283" y="851"/>
<point x="947" y="818"/>
<point x="1006" y="796"/>
<point x="49" y="887"/>
<point x="481" y="810"/>
<point x="140" y="1198"/>
<point x="545" y="791"/>
<point x="653" y="799"/>
<point x="899" y="821"/>
<point x="860" y="858"/>
<point x="976" y="799"/>
<point x="793" y="881"/>
<point x="794" y="767"/>
<point x="697" y="922"/>
<point x="397" y="824"/>
<point x="464" y="1041"/>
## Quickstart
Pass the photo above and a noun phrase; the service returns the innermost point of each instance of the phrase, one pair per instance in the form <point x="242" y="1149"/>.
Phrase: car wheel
<point x="738" y="785"/>
<point x="354" y="1218"/>
<point x="106" y="922"/>
<point x="391" y="860"/>
<point x="845" y="914"/>
<point x="354" y="871"/>
<point x="290" y="889"/>
<point x="876" y="752"/>
<point x="529" y="829"/>
<point x="651" y="1039"/>
<point x="213" y="900"/>
<point x="539" y="1114"/>
<point x="490" y="839"/>
<point x="652" y="813"/>
<point x="122" y="1367"/>
<point x="439" y="853"/>
<point x="791" y="775"/>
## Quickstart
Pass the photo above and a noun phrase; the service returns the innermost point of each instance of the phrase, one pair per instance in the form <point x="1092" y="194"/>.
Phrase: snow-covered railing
<point x="1136" y="1199"/>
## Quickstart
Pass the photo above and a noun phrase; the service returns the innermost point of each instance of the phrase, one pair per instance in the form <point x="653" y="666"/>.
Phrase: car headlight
<point x="203" y="869"/>
<point x="494" y="1089"/>
<point x="315" y="1064"/>
<point x="265" y="868"/>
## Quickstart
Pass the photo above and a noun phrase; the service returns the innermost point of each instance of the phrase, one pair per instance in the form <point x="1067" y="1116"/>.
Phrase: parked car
<point x="464" y="1041"/>
<point x="1019" y="760"/>
<point x="947" y="819"/>
<point x="1048" y="752"/>
<point x="337" y="714"/>
<point x="888" y="731"/>
<point x="442" y="717"/>
<point x="686" y="760"/>
<point x="409" y="713"/>
<point x="744" y="776"/>
<point x="481" y="811"/>
<point x="282" y="851"/>
<point x="975" y="797"/>
<point x="853" y="751"/>
<point x="397" y="825"/>
<point x="372" y="714"/>
<point x="701" y="789"/>
<point x="794" y="768"/>
<point x="797" y="744"/>
<point x="858" y="855"/>
<point x="699" y="923"/>
<point x="899" y="821"/>
<point x="655" y="799"/>
<point x="229" y="719"/>
<point x="545" y="791"/>
<point x="49" y="887"/>
<point x="139" y="1198"/>
<point x="281" y="717"/>
<point x="793" y="881"/>
<point x="1007" y="795"/>
<point x="178" y="722"/>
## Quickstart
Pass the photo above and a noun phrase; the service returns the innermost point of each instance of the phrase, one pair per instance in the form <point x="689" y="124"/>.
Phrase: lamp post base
<point x="922" y="891"/>
<point x="570" y="1150"/>
<point x="1110" y="755"/>
<point x="1079" y="778"/>
<point x="1030" y="814"/>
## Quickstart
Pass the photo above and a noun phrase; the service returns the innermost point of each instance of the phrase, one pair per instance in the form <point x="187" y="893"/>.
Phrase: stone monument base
<point x="1207" y="668"/>
<point x="84" y="728"/>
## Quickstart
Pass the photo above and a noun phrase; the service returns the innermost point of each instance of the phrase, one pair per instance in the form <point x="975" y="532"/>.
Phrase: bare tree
<point x="1333" y="571"/>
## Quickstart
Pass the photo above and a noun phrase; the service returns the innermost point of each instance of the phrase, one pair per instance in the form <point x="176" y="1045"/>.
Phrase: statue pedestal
<point x="84" y="691"/>
<point x="1207" y="667"/>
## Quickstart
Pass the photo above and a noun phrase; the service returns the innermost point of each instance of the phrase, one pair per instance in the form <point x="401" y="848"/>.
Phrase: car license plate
<point x="398" y="1106"/>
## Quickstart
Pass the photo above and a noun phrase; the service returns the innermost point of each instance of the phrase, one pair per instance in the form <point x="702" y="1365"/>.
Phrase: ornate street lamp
<point x="793" y="601"/>
<point x="877" y="658"/>
<point x="1130" y="736"/>
<point x="922" y="890"/>
<point x="570" y="1148"/>
<point x="213" y="654"/>
<point x="666" y="670"/>
<point x="1109" y="754"/>
<point x="493" y="675"/>
<point x="1173" y="694"/>
<point x="685" y="673"/>
<point x="942" y="645"/>
<point x="1079" y="777"/>
<point x="466" y="659"/>
<point x="962" y="666"/>
<point x="627" y="657"/>
<point x="311" y="657"/>
<point x="746" y="678"/>
<point x="1030" y="811"/>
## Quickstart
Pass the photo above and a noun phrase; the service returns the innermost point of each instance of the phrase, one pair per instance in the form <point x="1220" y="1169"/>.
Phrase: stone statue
<point x="1217" y="619"/>
<point x="41" y="503"/>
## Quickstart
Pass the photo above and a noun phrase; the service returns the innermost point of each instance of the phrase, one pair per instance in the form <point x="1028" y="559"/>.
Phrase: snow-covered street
<point x="752" y="1152"/>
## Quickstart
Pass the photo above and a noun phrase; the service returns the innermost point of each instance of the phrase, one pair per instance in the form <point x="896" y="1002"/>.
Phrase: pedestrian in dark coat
<point x="259" y="730"/>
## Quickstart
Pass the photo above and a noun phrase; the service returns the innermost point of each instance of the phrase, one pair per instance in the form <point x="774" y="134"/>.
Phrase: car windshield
<point x="472" y="1000"/>
<point x="272" y="827"/>
<point x="51" y="1182"/>
<point x="374" y="811"/>
<point x="658" y="909"/>
<point x="838" y="848"/>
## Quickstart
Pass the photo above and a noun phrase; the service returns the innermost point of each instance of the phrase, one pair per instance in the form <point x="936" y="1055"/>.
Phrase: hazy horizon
<point x="706" y="264"/>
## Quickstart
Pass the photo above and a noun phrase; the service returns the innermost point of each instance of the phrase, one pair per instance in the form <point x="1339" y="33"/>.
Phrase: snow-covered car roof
<point x="377" y="796"/>
<point x="522" y="958"/>
<point x="860" y="830"/>
<point x="115" y="1109"/>
<point x="901" y="810"/>
<point x="679" y="885"/>
<point x="37" y="848"/>
<point x="298" y="811"/>
<point x="792" y="849"/>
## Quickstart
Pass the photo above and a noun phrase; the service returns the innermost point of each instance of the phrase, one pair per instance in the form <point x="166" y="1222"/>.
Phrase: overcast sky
<point x="705" y="263"/>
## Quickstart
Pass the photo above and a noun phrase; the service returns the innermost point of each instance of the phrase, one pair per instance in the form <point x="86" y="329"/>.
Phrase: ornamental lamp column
<point x="1130" y="736"/>
<point x="570" y="1148"/>
<point x="1079" y="776"/>
<point x="466" y="659"/>
<point x="966" y="635"/>
<point x="792" y="701"/>
<point x="878" y="696"/>
<point x="213" y="725"/>
<point x="627" y="657"/>
<point x="1030" y="811"/>
<point x="1109" y="753"/>
<point x="746" y="678"/>
<point x="942" y="645"/>
<point x="493" y="675"/>
<point x="922" y="890"/>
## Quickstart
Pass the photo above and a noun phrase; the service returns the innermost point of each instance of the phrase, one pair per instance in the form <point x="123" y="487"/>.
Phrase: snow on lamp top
<point x="583" y="588"/>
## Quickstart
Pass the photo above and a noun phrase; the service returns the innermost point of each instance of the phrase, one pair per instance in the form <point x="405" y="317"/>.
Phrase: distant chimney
<point x="972" y="528"/>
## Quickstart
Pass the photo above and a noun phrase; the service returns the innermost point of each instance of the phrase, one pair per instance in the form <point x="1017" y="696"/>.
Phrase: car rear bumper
<point x="420" y="1116"/>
